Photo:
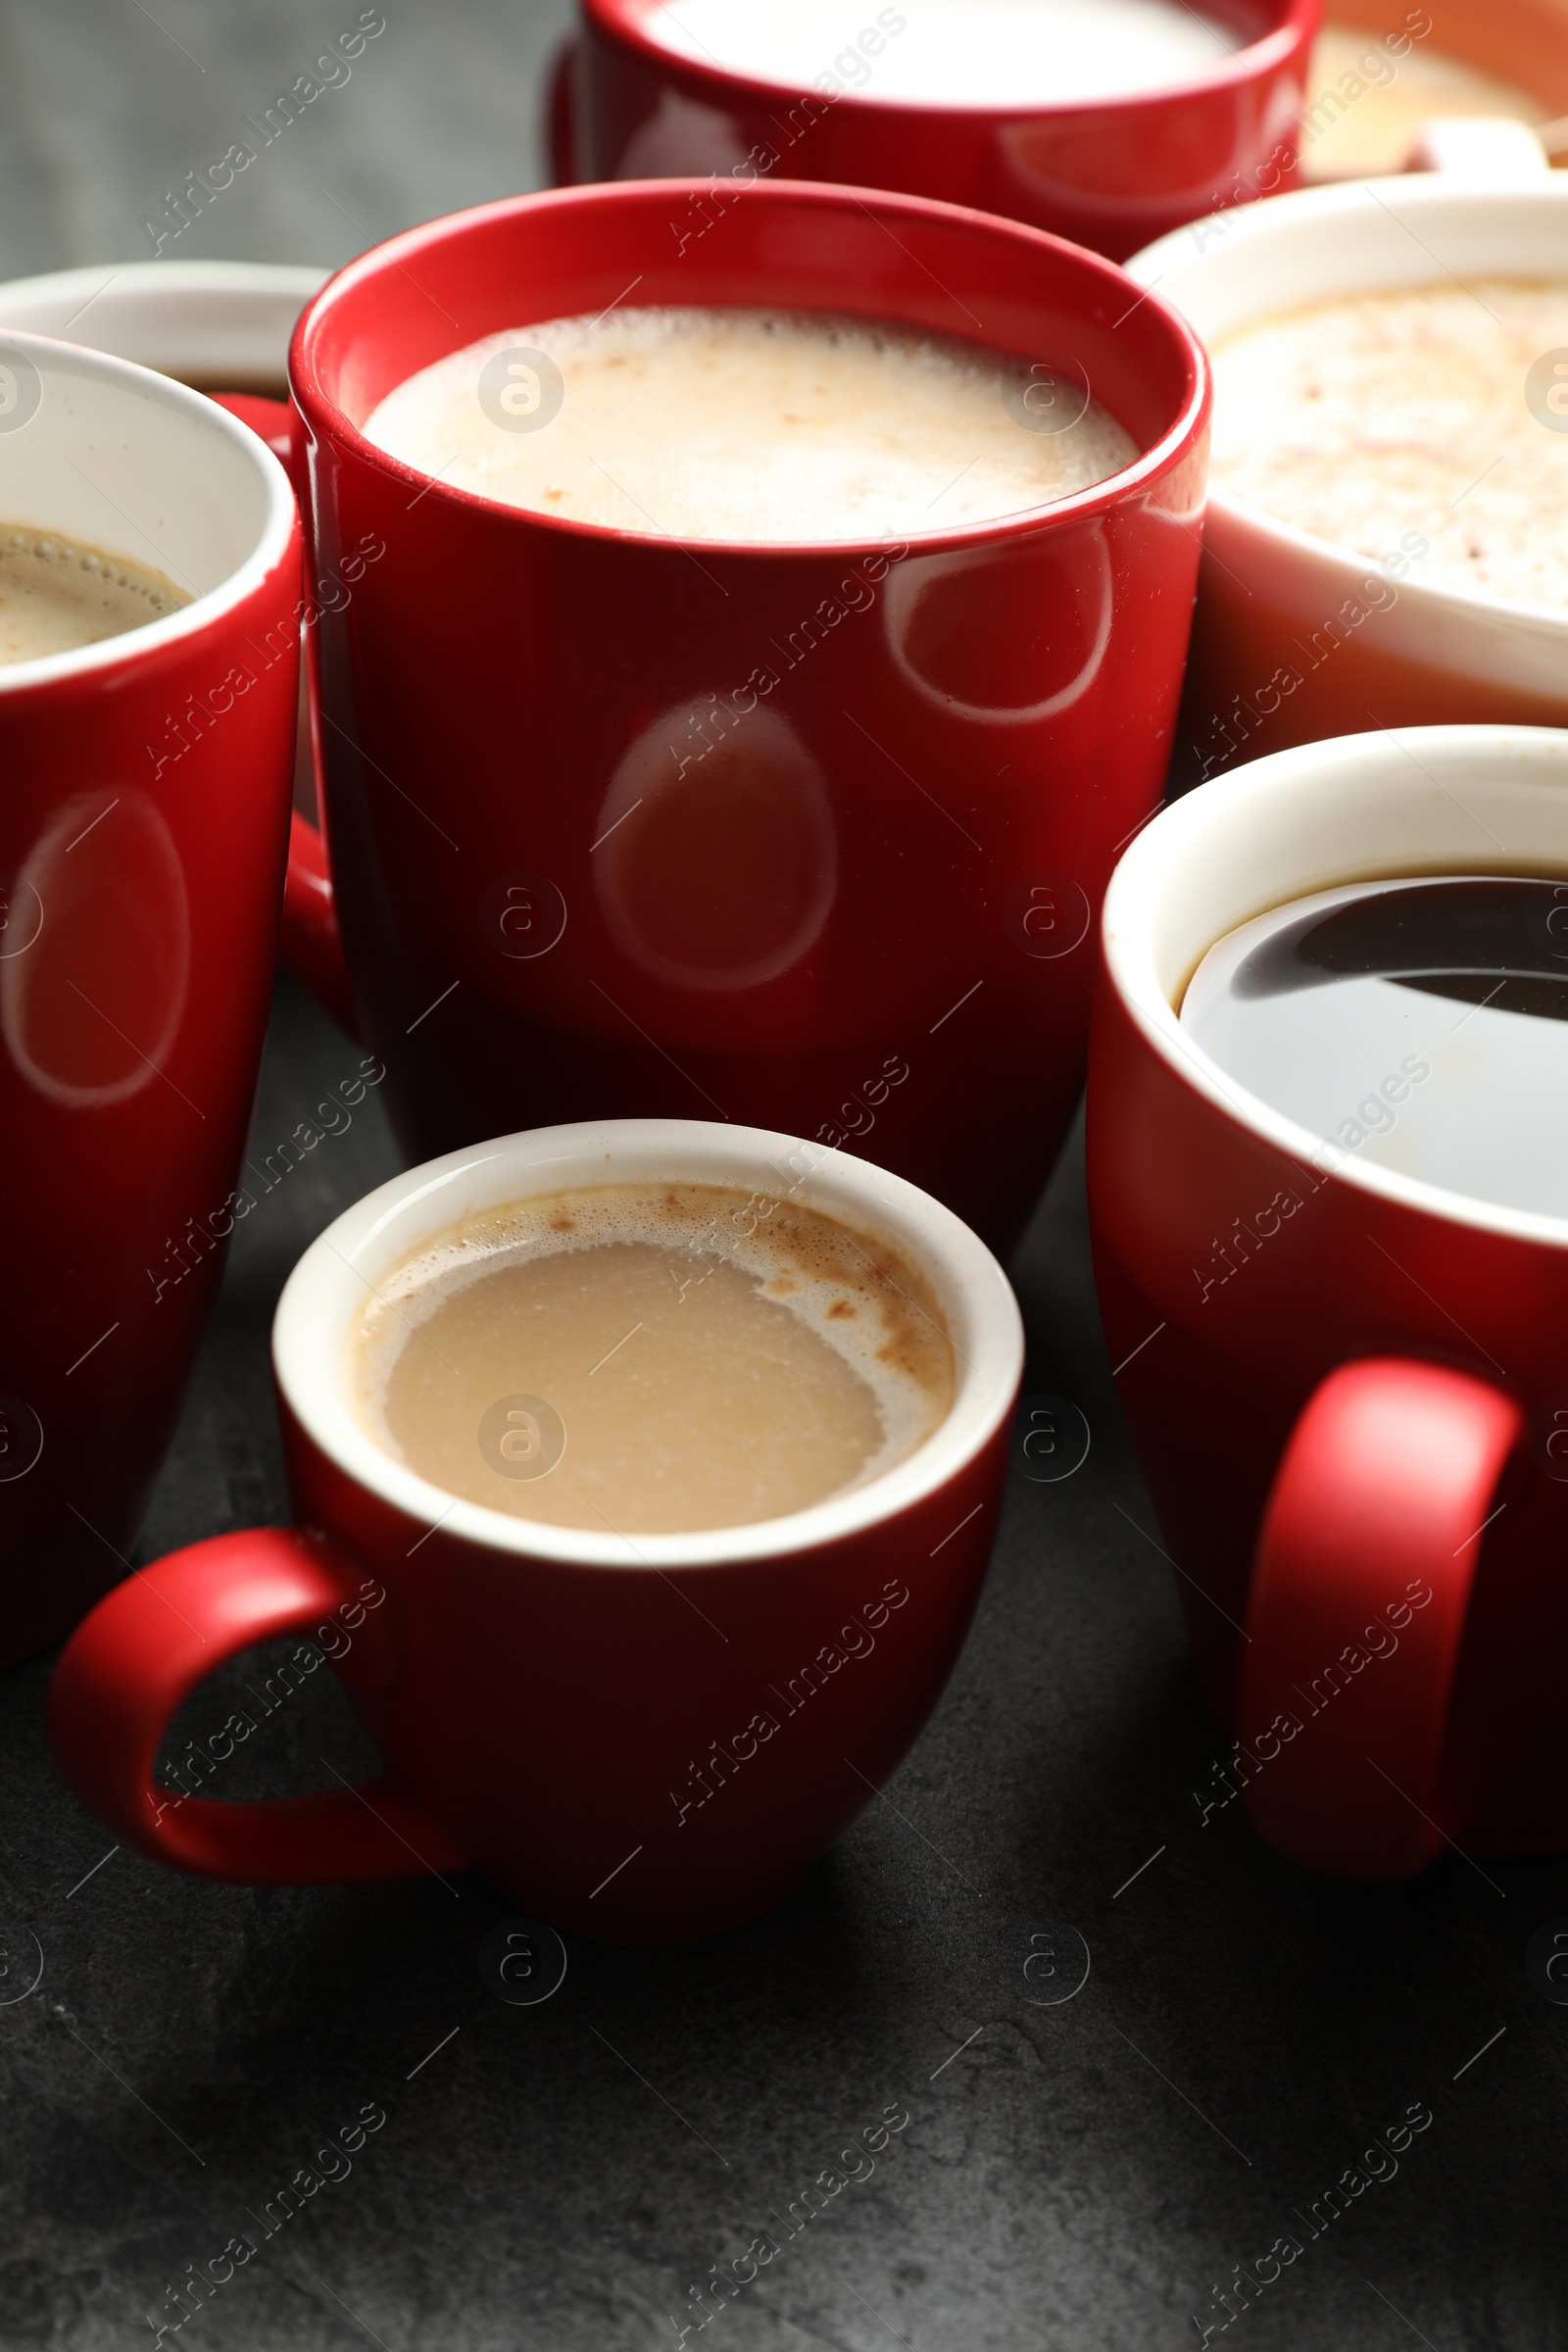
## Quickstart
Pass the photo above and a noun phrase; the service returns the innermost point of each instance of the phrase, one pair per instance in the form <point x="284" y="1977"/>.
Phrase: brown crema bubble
<point x="649" y="1359"/>
<point x="57" y="594"/>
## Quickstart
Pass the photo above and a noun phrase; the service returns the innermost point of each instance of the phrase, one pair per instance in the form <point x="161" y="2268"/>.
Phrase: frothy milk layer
<point x="753" y="425"/>
<point x="1006" y="53"/>
<point x="57" y="594"/>
<point x="1407" y="410"/>
<point x="656" y="1359"/>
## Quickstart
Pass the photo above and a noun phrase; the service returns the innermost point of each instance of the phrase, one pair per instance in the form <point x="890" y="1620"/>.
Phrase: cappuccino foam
<point x="1405" y="411"/>
<point x="57" y="594"/>
<point x="754" y="425"/>
<point x="992" y="53"/>
<point x="632" y="1358"/>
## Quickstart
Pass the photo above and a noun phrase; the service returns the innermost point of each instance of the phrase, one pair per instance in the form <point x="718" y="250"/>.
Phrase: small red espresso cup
<point x="810" y="836"/>
<point x="641" y="1737"/>
<point x="1346" y="1385"/>
<point x="1110" y="172"/>
<point x="143" y="823"/>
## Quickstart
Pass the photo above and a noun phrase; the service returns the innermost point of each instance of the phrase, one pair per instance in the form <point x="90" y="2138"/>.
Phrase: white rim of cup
<point x="1234" y="818"/>
<point x="194" y="618"/>
<point x="1339" y="203"/>
<point x="158" y="280"/>
<point x="323" y="1294"/>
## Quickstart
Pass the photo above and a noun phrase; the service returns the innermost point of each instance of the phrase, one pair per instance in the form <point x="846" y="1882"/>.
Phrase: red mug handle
<point x="560" y="115"/>
<point x="1362" y="1585"/>
<point x="144" y="1649"/>
<point x="311" y="946"/>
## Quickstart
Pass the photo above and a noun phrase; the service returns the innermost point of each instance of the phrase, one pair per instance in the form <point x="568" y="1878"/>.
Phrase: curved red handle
<point x="560" y="115"/>
<point x="1361" y="1587"/>
<point x="311" y="946"/>
<point x="145" y="1648"/>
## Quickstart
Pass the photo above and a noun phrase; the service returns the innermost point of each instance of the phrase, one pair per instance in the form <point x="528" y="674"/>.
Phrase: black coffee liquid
<point x="1420" y="1026"/>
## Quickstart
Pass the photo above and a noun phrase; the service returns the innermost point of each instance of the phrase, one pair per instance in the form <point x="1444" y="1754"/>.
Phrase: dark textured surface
<point x="1082" y="2174"/>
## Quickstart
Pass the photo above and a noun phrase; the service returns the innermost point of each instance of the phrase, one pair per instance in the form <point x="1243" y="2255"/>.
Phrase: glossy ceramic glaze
<point x="142" y="831"/>
<point x="1111" y="173"/>
<point x="1328" y="1368"/>
<point x="638" y="1739"/>
<point x="587" y="861"/>
<point x="1295" y="639"/>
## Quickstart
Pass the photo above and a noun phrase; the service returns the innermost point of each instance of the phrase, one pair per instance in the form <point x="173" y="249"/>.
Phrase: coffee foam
<point x="756" y="426"/>
<point x="892" y="1337"/>
<point x="1409" y="411"/>
<point x="998" y="53"/>
<point x="57" y="594"/>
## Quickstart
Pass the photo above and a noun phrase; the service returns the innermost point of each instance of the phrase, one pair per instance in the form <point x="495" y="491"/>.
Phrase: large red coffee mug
<point x="143" y="819"/>
<point x="1347" y="1389"/>
<point x="639" y="1738"/>
<point x="1112" y="172"/>
<point x="807" y="836"/>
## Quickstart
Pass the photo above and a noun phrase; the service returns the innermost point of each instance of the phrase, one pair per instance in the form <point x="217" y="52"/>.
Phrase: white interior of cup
<point x="327" y="1288"/>
<point x="205" y="319"/>
<point x="1321" y="244"/>
<point x="1431" y="801"/>
<point x="138" y="465"/>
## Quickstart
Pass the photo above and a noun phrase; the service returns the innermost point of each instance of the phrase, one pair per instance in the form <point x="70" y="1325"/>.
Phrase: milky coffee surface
<point x="1408" y="411"/>
<point x="633" y="1359"/>
<point x="996" y="53"/>
<point x="57" y="594"/>
<point x="752" y="425"/>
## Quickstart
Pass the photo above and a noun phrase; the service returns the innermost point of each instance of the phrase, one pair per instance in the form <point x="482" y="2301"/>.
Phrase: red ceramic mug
<point x="552" y="1703"/>
<point x="1112" y="172"/>
<point x="807" y="836"/>
<point x="142" y="830"/>
<point x="1346" y="1385"/>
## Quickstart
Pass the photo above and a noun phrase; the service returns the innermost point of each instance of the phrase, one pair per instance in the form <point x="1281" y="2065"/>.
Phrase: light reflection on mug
<point x="90" y="1013"/>
<point x="929" y="621"/>
<point x="682" y="141"/>
<point x="716" y="868"/>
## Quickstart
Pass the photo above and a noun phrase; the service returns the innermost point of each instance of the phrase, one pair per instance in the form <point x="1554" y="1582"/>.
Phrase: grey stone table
<point x="1077" y="2172"/>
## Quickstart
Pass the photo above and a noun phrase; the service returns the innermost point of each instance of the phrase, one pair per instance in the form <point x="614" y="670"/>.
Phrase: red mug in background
<point x="1345" y="1384"/>
<point x="142" y="834"/>
<point x="642" y="1738"/>
<point x="812" y="837"/>
<point x="1110" y="172"/>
